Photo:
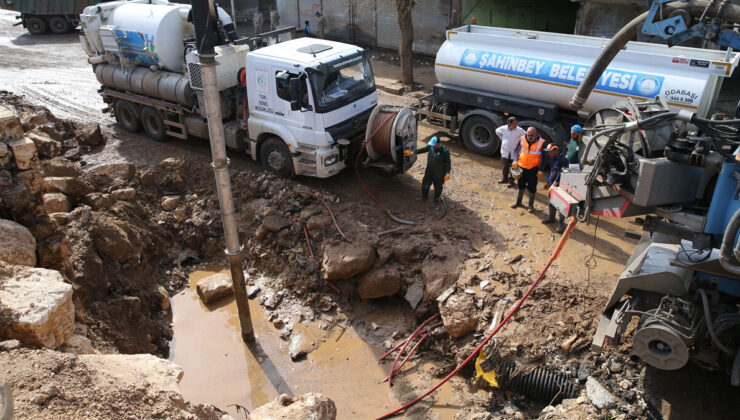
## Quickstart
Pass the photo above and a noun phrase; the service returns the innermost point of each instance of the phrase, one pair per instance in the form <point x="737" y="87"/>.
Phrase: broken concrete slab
<point x="389" y="85"/>
<point x="10" y="123"/>
<point x="89" y="134"/>
<point x="214" y="287"/>
<point x="307" y="406"/>
<point x="344" y="260"/>
<point x="599" y="396"/>
<point x="24" y="151"/>
<point x="45" y="145"/>
<point x="438" y="276"/>
<point x="60" y="167"/>
<point x="17" y="244"/>
<point x="122" y="171"/>
<point x="57" y="203"/>
<point x="73" y="187"/>
<point x="40" y="304"/>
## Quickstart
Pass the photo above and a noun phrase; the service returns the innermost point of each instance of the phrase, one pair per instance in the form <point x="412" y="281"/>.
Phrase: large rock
<point x="343" y="260"/>
<point x="438" y="275"/>
<point x="89" y="134"/>
<point x="274" y="223"/>
<point x="73" y="187"/>
<point x="214" y="287"/>
<point x="385" y="281"/>
<point x="17" y="244"/>
<point x="124" y="194"/>
<point x="57" y="203"/>
<point x="169" y="203"/>
<point x="98" y="200"/>
<point x="10" y="124"/>
<point x="31" y="179"/>
<point x="60" y="167"/>
<point x="459" y="314"/>
<point x="122" y="171"/>
<point x="409" y="250"/>
<point x="113" y="241"/>
<point x="40" y="305"/>
<point x="24" y="151"/>
<point x="45" y="145"/>
<point x="307" y="406"/>
<point x="598" y="395"/>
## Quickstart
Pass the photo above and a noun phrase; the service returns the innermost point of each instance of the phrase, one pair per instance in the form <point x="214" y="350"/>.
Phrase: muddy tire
<point x="153" y="124"/>
<point x="276" y="158"/>
<point x="36" y="25"/>
<point x="59" y="25"/>
<point x="126" y="115"/>
<point x="479" y="135"/>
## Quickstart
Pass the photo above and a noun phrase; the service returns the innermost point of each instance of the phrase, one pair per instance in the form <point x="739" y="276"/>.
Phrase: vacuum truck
<point x="485" y="74"/>
<point x="301" y="107"/>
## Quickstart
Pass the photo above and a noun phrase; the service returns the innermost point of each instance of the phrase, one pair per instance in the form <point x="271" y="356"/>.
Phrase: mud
<point x="480" y="238"/>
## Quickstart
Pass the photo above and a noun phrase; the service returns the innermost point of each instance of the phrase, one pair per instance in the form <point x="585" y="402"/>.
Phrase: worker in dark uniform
<point x="437" y="171"/>
<point x="558" y="162"/>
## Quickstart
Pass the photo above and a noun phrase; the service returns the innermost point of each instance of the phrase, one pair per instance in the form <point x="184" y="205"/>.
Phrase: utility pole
<point x="204" y="20"/>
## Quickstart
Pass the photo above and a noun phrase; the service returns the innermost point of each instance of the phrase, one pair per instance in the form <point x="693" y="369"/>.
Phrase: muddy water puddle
<point x="221" y="370"/>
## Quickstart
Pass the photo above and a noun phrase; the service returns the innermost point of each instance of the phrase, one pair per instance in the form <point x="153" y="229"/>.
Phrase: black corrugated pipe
<point x="727" y="242"/>
<point x="203" y="19"/>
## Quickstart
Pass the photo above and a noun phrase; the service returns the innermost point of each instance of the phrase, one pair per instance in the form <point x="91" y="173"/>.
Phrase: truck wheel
<point x="276" y="157"/>
<point x="126" y="116"/>
<point x="153" y="124"/>
<point x="59" y="25"/>
<point x="36" y="25"/>
<point x="479" y="135"/>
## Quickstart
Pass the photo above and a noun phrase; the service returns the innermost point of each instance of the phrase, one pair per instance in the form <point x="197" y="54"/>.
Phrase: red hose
<point x="406" y="343"/>
<point x="413" y="350"/>
<point x="553" y="257"/>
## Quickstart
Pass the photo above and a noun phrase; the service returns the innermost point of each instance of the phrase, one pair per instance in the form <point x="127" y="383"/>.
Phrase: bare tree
<point x="405" y="49"/>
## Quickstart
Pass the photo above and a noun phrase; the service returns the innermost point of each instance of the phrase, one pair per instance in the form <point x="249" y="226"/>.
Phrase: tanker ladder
<point x="171" y="115"/>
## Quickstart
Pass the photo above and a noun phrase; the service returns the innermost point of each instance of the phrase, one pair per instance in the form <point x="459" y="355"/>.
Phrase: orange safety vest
<point x="529" y="156"/>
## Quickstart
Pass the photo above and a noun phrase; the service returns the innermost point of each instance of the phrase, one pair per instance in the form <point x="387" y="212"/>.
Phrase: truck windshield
<point x="340" y="85"/>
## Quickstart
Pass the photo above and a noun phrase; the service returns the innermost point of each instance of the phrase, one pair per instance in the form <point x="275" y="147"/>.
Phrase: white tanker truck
<point x="487" y="73"/>
<point x="302" y="107"/>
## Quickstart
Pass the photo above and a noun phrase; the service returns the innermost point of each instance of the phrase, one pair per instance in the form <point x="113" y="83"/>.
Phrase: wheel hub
<point x="276" y="160"/>
<point x="480" y="135"/>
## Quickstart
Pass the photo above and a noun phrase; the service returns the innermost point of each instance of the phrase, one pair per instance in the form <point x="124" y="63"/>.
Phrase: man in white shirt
<point x="509" y="135"/>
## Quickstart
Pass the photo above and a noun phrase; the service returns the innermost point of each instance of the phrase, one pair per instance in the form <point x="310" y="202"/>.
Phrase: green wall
<point x="540" y="15"/>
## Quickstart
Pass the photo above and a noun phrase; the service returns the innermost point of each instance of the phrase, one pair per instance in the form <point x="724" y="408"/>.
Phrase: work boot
<point x="550" y="217"/>
<point x="434" y="203"/>
<point x="519" y="197"/>
<point x="503" y="181"/>
<point x="512" y="184"/>
<point x="561" y="224"/>
<point x="531" y="202"/>
<point x="421" y="197"/>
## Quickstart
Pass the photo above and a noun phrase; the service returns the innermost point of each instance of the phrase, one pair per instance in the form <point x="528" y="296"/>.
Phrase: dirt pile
<point x="49" y="384"/>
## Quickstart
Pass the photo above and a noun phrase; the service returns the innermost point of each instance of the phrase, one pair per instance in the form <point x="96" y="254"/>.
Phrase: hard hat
<point x="433" y="141"/>
<point x="577" y="128"/>
<point x="515" y="173"/>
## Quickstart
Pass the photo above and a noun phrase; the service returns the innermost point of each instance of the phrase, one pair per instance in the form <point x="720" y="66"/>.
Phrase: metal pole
<point x="233" y="14"/>
<point x="220" y="166"/>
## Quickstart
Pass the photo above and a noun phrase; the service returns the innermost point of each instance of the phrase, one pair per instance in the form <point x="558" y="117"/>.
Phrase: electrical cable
<point x="566" y="234"/>
<point x="708" y="319"/>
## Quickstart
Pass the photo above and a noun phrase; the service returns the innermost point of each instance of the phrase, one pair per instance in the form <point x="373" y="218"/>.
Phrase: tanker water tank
<point x="150" y="34"/>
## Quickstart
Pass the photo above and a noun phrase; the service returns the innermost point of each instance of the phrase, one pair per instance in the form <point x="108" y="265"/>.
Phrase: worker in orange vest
<point x="528" y="156"/>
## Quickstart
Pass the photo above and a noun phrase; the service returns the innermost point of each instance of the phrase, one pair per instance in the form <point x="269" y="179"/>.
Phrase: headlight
<point x="330" y="160"/>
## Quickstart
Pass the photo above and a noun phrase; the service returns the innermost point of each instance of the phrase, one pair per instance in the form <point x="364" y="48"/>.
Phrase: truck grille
<point x="196" y="82"/>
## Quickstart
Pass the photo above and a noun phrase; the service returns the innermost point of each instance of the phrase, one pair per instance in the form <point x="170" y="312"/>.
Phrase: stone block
<point x="24" y="151"/>
<point x="17" y="244"/>
<point x="214" y="287"/>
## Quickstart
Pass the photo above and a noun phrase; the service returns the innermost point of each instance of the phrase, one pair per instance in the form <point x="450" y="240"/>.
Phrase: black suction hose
<point x="727" y="240"/>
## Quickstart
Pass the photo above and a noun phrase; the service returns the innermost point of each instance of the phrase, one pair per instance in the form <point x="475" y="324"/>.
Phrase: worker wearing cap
<point x="274" y="18"/>
<point x="528" y="157"/>
<point x="558" y="161"/>
<point x="258" y="19"/>
<point x="509" y="135"/>
<point x="576" y="132"/>
<point x="438" y="168"/>
<point x="320" y="25"/>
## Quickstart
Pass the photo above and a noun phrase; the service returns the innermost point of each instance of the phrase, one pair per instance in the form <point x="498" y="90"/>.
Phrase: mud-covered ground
<point x="478" y="238"/>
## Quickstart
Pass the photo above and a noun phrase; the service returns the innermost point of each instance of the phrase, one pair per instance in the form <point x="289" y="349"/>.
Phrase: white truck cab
<point x="309" y="101"/>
